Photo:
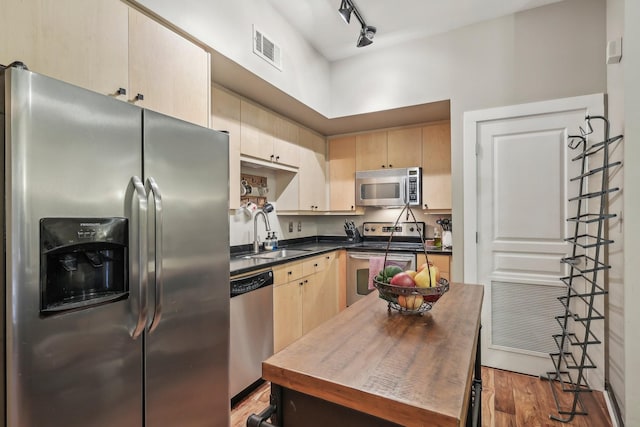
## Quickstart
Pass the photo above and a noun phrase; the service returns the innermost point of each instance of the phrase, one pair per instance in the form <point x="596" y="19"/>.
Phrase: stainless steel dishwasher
<point x="251" y="342"/>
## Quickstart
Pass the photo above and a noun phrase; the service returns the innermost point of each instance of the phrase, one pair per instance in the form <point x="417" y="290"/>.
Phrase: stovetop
<point x="380" y="245"/>
<point x="404" y="235"/>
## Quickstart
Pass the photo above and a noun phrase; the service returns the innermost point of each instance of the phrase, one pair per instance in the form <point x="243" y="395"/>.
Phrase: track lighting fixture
<point x="345" y="11"/>
<point x="366" y="36"/>
<point x="367" y="32"/>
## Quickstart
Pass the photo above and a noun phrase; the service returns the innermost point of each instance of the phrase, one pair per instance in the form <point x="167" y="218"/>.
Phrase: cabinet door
<point x="320" y="293"/>
<point x="436" y="166"/>
<point x="371" y="151"/>
<point x="285" y="144"/>
<point x="83" y="43"/>
<point x="404" y="148"/>
<point x="287" y="314"/>
<point x="170" y="72"/>
<point x="256" y="131"/>
<point x="225" y="115"/>
<point x="342" y="173"/>
<point x="312" y="174"/>
<point x="331" y="285"/>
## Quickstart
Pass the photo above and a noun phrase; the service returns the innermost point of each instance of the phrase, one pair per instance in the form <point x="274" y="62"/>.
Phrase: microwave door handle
<point x="405" y="191"/>
<point x="152" y="188"/>
<point x="138" y="252"/>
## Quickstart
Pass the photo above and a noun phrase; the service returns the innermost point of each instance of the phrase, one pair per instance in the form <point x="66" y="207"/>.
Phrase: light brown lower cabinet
<point x="443" y="262"/>
<point x="305" y="295"/>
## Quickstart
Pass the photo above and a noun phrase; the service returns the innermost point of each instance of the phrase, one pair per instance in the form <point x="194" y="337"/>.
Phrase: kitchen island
<point x="371" y="367"/>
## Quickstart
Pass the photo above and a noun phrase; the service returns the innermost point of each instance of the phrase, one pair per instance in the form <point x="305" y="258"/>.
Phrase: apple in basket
<point x="403" y="279"/>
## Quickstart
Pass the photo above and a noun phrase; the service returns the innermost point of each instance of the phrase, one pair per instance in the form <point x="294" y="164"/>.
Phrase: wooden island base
<point x="371" y="367"/>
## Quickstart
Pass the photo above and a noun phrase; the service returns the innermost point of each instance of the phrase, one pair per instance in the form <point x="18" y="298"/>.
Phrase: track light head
<point x="345" y="11"/>
<point x="366" y="35"/>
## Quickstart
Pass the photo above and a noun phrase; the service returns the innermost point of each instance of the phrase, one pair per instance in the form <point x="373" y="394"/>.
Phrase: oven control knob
<point x="373" y="229"/>
<point x="410" y="228"/>
<point x="366" y="228"/>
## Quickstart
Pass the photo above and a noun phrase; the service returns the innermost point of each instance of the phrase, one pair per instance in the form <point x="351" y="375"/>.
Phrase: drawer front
<point x="313" y="265"/>
<point x="287" y="272"/>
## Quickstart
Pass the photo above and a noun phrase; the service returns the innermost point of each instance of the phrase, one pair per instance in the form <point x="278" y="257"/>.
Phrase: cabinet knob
<point x="277" y="158"/>
<point x="139" y="97"/>
<point x="121" y="91"/>
<point x="289" y="272"/>
<point x="306" y="281"/>
<point x="383" y="166"/>
<point x="272" y="156"/>
<point x="390" y="166"/>
<point x="315" y="265"/>
<point x="426" y="206"/>
<point x="301" y="283"/>
<point x="351" y="207"/>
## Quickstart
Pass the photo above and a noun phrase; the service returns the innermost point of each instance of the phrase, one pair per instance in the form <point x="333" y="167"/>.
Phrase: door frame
<point x="591" y="104"/>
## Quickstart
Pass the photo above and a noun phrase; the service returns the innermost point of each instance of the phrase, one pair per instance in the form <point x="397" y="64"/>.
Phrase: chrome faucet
<point x="268" y="207"/>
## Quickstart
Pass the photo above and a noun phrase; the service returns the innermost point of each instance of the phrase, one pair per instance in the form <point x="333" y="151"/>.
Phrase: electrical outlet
<point x="299" y="225"/>
<point x="290" y="226"/>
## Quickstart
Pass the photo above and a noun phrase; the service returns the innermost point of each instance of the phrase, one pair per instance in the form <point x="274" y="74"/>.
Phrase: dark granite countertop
<point x="244" y="261"/>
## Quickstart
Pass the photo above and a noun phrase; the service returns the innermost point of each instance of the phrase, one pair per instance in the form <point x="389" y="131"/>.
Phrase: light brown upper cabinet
<point x="398" y="148"/>
<point x="404" y="147"/>
<point x="436" y="166"/>
<point x="342" y="173"/>
<point x="267" y="136"/>
<point x="84" y="43"/>
<point x="312" y="175"/>
<point x="371" y="151"/>
<point x="167" y="73"/>
<point x="225" y="115"/>
<point x="109" y="48"/>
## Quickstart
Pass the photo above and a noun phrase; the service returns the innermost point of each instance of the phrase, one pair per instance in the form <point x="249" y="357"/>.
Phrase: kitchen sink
<point x="280" y="253"/>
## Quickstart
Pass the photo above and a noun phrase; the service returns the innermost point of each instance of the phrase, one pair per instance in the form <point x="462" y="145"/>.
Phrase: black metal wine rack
<point x="585" y="280"/>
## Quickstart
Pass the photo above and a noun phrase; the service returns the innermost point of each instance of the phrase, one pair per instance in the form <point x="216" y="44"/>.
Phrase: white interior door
<point x="517" y="171"/>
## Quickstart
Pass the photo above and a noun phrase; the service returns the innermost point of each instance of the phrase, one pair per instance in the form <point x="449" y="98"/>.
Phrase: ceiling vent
<point x="266" y="49"/>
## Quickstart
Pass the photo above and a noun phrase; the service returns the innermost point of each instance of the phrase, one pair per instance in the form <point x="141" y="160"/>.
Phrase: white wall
<point x="615" y="309"/>
<point x="226" y="26"/>
<point x="631" y="191"/>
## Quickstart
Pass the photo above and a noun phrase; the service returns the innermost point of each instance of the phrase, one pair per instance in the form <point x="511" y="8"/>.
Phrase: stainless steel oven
<point x="406" y="240"/>
<point x="358" y="270"/>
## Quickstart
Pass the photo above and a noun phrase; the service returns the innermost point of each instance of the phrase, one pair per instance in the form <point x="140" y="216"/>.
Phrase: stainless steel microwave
<point x="389" y="187"/>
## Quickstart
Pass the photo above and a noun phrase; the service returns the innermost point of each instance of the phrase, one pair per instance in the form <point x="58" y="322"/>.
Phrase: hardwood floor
<point x="508" y="400"/>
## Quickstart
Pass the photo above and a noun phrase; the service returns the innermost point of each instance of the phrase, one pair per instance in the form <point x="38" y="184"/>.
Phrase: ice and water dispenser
<point x="83" y="262"/>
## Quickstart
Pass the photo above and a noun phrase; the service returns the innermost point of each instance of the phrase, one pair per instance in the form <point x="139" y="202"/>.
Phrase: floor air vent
<point x="266" y="49"/>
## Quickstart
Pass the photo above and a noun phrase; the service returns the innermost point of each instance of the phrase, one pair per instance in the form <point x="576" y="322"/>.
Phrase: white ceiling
<point x="397" y="21"/>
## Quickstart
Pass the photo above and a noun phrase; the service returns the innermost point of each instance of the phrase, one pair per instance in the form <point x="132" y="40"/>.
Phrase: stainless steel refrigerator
<point x="116" y="262"/>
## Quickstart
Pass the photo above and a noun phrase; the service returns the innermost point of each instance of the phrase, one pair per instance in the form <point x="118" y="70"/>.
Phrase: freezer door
<point x="187" y="345"/>
<point x="69" y="153"/>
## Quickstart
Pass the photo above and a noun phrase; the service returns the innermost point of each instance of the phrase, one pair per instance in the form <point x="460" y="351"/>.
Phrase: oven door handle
<point x="364" y="257"/>
<point x="390" y="257"/>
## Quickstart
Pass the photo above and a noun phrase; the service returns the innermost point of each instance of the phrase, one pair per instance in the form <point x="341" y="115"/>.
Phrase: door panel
<point x="522" y="165"/>
<point x="69" y="153"/>
<point x="187" y="353"/>
<point x="522" y="170"/>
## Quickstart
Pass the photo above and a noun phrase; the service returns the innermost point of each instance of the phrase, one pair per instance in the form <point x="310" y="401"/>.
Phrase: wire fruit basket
<point x="410" y="299"/>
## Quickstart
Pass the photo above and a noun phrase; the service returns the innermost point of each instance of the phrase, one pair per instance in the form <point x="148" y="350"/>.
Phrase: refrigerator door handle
<point x="138" y="253"/>
<point x="151" y="187"/>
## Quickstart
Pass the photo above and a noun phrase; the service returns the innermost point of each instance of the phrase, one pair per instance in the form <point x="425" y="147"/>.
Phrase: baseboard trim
<point x="612" y="406"/>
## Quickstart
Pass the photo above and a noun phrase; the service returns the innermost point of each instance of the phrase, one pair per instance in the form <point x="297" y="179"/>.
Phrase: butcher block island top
<point x="413" y="370"/>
